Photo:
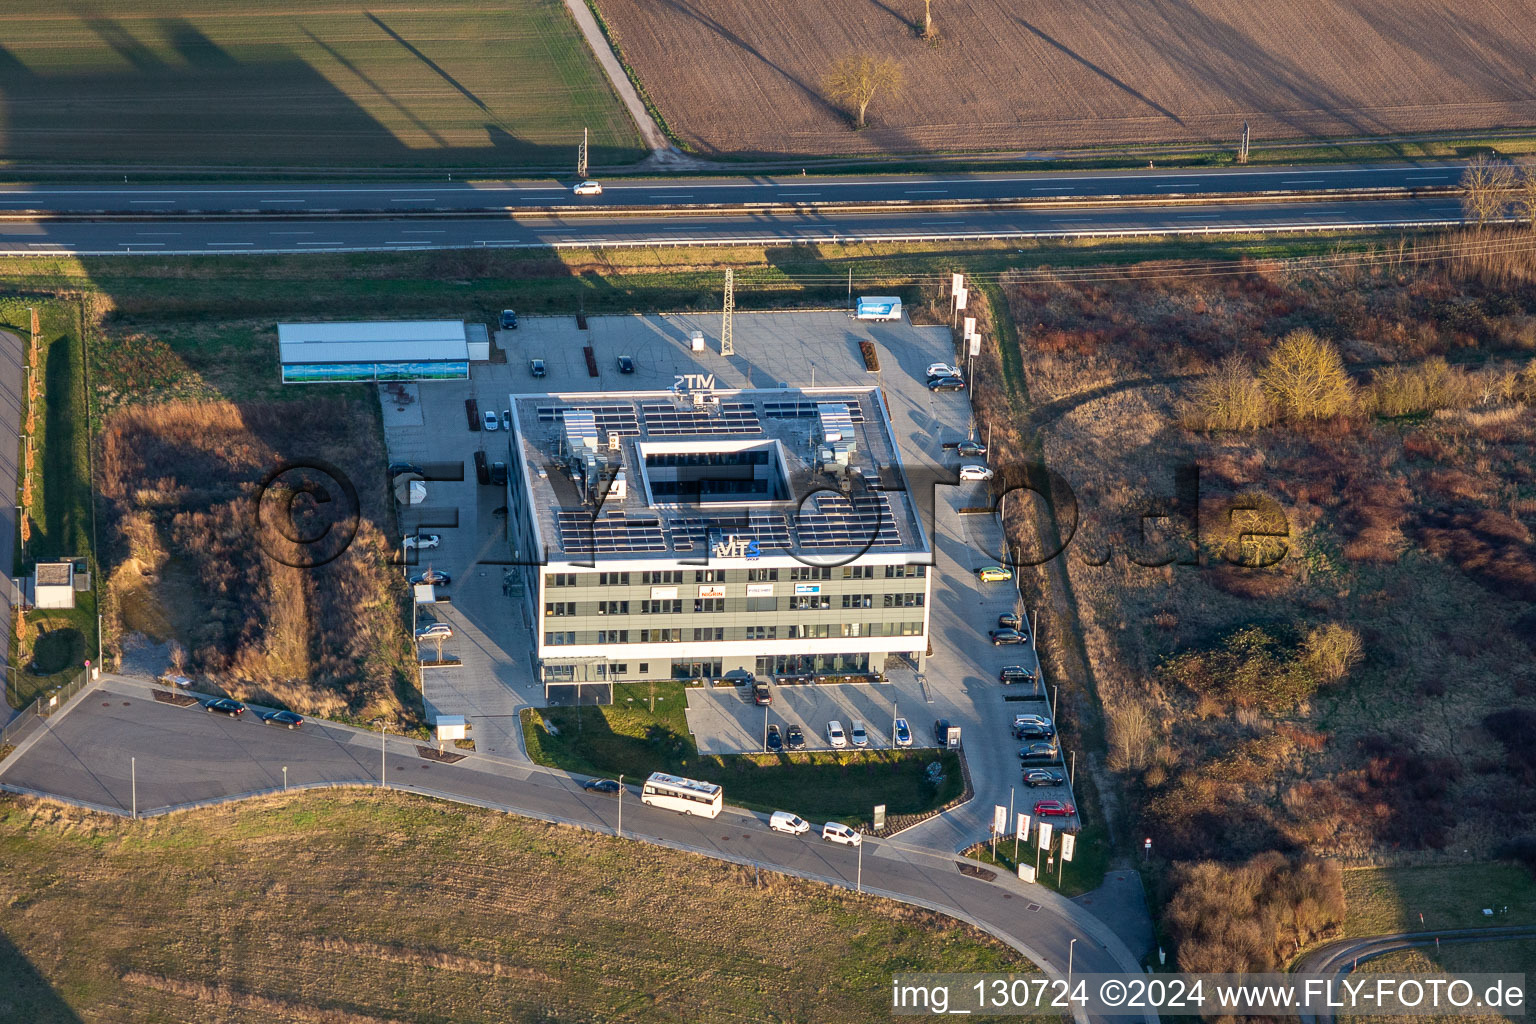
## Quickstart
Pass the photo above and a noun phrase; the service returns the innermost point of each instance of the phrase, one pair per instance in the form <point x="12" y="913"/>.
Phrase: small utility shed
<point x="53" y="585"/>
<point x="373" y="350"/>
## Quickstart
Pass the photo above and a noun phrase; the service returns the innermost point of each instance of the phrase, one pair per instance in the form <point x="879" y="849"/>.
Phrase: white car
<point x="589" y="188"/>
<point x="789" y="824"/>
<point x="859" y="735"/>
<point x="903" y="733"/>
<point x="436" y="631"/>
<point x="492" y="423"/>
<point x="184" y="682"/>
<point x="974" y="472"/>
<point x="422" y="541"/>
<point x="836" y="832"/>
<point x="944" y="370"/>
<point x="835" y="734"/>
<point x="1039" y="720"/>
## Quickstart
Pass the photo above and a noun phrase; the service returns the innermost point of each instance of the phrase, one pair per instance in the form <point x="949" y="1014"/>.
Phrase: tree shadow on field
<point x="163" y="95"/>
<point x="29" y="996"/>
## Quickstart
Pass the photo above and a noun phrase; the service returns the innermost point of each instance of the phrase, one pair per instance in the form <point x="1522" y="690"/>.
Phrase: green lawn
<point x="60" y="512"/>
<point x="170" y="84"/>
<point x="1083" y="873"/>
<point x="1385" y="900"/>
<point x="627" y="738"/>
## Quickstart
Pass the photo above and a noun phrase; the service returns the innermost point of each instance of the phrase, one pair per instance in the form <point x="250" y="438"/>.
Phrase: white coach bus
<point x="689" y="796"/>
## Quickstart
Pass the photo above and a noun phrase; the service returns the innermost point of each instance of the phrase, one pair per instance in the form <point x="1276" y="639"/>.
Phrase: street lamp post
<point x="893" y="725"/>
<point x="383" y="779"/>
<point x="133" y="770"/>
<point x="858" y="884"/>
<point x="765" y="728"/>
<point x="285" y="778"/>
<point x="620" y="830"/>
<point x="1071" y="948"/>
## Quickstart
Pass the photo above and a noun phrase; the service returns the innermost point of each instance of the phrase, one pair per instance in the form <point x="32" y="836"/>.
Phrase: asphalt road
<point x="302" y="235"/>
<point x="116" y="742"/>
<point x="533" y="194"/>
<point x="1342" y="956"/>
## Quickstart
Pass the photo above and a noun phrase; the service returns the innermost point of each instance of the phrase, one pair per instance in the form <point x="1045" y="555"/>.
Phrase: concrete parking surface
<point x="493" y="638"/>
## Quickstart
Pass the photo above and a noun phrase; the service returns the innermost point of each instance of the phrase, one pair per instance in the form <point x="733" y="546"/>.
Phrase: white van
<point x="789" y="824"/>
<point x="835" y="734"/>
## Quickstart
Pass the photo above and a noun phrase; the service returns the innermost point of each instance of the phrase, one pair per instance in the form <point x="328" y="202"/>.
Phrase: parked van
<point x="789" y="824"/>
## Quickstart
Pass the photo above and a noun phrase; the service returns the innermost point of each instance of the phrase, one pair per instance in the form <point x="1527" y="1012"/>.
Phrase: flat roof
<point x="373" y="341"/>
<point x="846" y="490"/>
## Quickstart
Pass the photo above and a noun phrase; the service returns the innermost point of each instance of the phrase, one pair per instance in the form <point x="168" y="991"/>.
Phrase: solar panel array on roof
<point x="730" y="418"/>
<point x="771" y="530"/>
<point x="616" y="419"/>
<point x="610" y="533"/>
<point x="790" y="409"/>
<point x="835" y="521"/>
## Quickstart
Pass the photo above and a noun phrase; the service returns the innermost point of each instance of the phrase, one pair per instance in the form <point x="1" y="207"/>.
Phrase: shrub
<point x="1431" y="385"/>
<point x="1251" y="667"/>
<point x="1305" y="379"/>
<point x="1331" y="652"/>
<point x="1228" y="398"/>
<point x="1254" y="916"/>
<point x="871" y="357"/>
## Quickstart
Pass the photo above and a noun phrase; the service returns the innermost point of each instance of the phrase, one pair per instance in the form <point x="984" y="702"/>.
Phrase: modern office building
<point x="703" y="533"/>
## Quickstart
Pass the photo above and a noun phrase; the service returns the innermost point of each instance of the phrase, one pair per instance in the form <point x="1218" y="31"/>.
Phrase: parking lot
<point x="493" y="638"/>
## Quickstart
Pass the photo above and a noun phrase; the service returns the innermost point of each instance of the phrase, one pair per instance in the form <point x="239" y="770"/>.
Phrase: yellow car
<point x="994" y="574"/>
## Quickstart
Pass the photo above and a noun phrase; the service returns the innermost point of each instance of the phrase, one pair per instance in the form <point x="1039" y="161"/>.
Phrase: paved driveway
<point x="186" y="755"/>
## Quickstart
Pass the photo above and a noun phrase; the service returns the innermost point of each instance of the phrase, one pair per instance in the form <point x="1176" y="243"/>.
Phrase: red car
<point x="1054" y="809"/>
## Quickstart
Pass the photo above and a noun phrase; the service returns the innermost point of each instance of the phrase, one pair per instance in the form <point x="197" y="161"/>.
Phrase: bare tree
<point x="858" y="78"/>
<point x="929" y="31"/>
<point x="1486" y="186"/>
<point x="1525" y="196"/>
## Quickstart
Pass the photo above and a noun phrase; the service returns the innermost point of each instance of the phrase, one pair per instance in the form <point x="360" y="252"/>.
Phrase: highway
<point x="657" y="192"/>
<point x="305" y="233"/>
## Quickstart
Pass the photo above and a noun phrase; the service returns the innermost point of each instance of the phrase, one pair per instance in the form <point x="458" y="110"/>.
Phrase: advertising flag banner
<point x="1045" y="836"/>
<point x="961" y="296"/>
<point x="970" y="326"/>
<point x="999" y="819"/>
<point x="975" y="341"/>
<point x="956" y="283"/>
<point x="1068" y="844"/>
<point x="1023" y="832"/>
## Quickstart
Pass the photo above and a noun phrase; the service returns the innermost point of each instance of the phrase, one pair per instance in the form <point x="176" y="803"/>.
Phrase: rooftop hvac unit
<point x="696" y="341"/>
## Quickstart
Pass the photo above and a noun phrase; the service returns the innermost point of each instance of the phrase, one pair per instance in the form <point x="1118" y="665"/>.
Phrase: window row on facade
<point x="797" y="574"/>
<point x="721" y="634"/>
<point x="705" y="605"/>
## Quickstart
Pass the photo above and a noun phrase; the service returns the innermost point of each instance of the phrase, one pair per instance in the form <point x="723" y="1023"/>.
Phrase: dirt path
<point x="650" y="132"/>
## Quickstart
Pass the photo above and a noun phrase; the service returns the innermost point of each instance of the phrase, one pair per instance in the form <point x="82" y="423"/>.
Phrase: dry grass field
<point x="322" y="83"/>
<point x="369" y="909"/>
<point x="208" y="530"/>
<point x="743" y="77"/>
<point x="1230" y="724"/>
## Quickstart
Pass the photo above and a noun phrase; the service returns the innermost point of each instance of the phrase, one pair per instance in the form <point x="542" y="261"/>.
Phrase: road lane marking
<point x="423" y="200"/>
<point x="797" y="195"/>
<point x="229" y="243"/>
<point x="285" y="200"/>
<point x="140" y="243"/>
<point x="292" y="232"/>
<point x="943" y="222"/>
<point x="1053" y="188"/>
<point x="925" y="191"/>
<point x="1304" y="181"/>
<point x="421" y="231"/>
<point x="167" y="234"/>
<point x="317" y="243"/>
<point x="151" y="202"/>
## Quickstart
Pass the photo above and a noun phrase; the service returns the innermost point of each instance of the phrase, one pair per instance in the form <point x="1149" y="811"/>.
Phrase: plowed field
<point x="743" y="76"/>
